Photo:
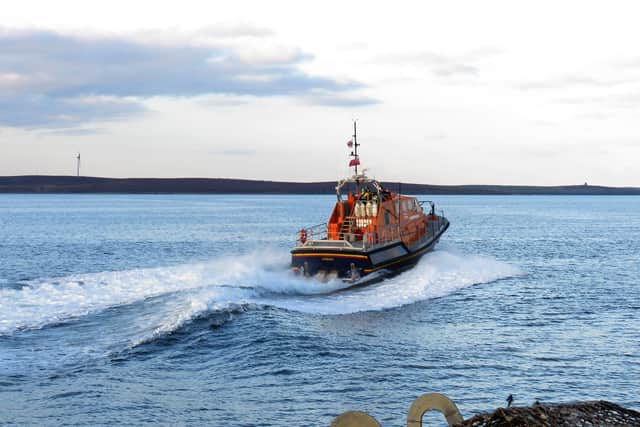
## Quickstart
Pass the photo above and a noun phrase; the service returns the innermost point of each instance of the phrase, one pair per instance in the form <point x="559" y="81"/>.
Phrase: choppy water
<point x="180" y="310"/>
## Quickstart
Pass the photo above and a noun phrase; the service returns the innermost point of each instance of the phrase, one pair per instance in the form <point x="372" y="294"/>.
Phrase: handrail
<point x="318" y="233"/>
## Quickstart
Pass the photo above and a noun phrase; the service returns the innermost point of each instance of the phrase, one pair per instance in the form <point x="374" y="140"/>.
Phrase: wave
<point x="166" y="298"/>
<point x="438" y="274"/>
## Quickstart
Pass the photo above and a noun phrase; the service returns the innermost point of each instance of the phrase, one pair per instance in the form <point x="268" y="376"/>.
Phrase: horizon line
<point x="276" y="181"/>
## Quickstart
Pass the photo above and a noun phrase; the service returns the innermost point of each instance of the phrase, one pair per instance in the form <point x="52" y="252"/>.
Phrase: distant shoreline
<point x="71" y="184"/>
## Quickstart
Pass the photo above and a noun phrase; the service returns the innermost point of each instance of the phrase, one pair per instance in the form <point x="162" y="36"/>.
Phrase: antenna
<point x="78" y="165"/>
<point x="355" y="144"/>
<point x="356" y="160"/>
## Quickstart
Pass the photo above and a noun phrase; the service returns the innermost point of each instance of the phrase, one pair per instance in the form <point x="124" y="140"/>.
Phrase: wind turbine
<point x="78" y="165"/>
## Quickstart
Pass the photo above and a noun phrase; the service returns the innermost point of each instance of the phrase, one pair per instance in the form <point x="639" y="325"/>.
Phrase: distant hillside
<point x="72" y="184"/>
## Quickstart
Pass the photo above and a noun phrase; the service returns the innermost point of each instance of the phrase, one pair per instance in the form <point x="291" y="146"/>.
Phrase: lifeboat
<point x="372" y="232"/>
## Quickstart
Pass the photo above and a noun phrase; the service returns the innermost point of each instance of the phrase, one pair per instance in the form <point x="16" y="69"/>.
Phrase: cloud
<point x="594" y="115"/>
<point x="436" y="136"/>
<point x="36" y="110"/>
<point x="626" y="100"/>
<point x="610" y="104"/>
<point x="235" y="31"/>
<point x="78" y="131"/>
<point x="572" y="81"/>
<point x="50" y="79"/>
<point x="444" y="65"/>
<point x="627" y="64"/>
<point x="331" y="100"/>
<point x="222" y="101"/>
<point x="456" y="70"/>
<point x="603" y="75"/>
<point x="544" y="123"/>
<point x="269" y="54"/>
<point x="358" y="46"/>
<point x="483" y="53"/>
<point x="212" y="35"/>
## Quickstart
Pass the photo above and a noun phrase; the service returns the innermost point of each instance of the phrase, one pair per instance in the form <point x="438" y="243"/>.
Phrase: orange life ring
<point x="303" y="235"/>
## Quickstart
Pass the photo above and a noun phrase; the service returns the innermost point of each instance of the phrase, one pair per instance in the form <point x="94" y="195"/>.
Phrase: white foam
<point x="49" y="301"/>
<point x="188" y="291"/>
<point x="439" y="273"/>
<point x="184" y="308"/>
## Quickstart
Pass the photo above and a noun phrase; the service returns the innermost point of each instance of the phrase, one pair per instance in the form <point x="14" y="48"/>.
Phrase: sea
<point x="181" y="310"/>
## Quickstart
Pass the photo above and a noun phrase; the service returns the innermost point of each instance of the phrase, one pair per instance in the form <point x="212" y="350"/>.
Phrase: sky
<point x="456" y="92"/>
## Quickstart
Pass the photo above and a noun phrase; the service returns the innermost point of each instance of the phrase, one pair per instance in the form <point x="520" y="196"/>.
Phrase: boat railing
<point x="318" y="236"/>
<point x="315" y="232"/>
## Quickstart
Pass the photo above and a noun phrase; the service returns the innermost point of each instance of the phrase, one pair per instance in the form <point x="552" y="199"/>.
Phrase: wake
<point x="165" y="298"/>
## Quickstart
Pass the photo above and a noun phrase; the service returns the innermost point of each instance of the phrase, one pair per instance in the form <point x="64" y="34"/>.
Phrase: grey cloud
<point x="484" y="53"/>
<point x="627" y="100"/>
<point x="545" y="123"/>
<point x="456" y="70"/>
<point x="37" y="111"/>
<point x="46" y="75"/>
<point x="595" y="115"/>
<point x="234" y="31"/>
<point x="627" y="64"/>
<point x="341" y="101"/>
<point x="437" y="136"/>
<point x="602" y="107"/>
<point x="614" y="101"/>
<point x="580" y="100"/>
<point x="354" y="46"/>
<point x="427" y="58"/>
<point x="74" y="132"/>
<point x="442" y="65"/>
<point x="224" y="102"/>
<point x="569" y="81"/>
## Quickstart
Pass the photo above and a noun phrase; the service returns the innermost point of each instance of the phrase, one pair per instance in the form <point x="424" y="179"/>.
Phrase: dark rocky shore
<point x="72" y="184"/>
<point x="594" y="413"/>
